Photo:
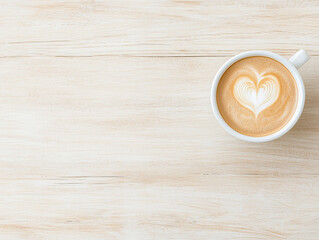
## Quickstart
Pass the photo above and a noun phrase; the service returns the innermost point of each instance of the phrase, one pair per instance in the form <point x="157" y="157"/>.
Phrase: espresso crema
<point x="257" y="96"/>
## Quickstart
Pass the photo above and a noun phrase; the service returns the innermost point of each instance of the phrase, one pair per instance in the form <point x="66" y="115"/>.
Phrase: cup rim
<point x="301" y="95"/>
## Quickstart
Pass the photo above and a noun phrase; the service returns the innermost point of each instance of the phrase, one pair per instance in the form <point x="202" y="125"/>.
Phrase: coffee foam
<point x="257" y="96"/>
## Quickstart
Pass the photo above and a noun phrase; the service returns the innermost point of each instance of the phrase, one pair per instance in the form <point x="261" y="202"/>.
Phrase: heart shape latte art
<point x="258" y="93"/>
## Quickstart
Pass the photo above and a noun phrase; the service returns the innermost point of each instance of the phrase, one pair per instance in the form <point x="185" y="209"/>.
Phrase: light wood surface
<point x="106" y="128"/>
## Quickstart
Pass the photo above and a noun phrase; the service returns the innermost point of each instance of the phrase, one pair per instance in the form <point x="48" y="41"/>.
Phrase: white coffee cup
<point x="295" y="62"/>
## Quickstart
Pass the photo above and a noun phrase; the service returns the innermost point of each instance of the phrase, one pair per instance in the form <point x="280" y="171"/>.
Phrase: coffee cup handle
<point x="299" y="58"/>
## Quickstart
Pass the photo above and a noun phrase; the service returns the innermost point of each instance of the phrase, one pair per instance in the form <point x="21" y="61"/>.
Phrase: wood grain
<point x="157" y="28"/>
<point x="106" y="128"/>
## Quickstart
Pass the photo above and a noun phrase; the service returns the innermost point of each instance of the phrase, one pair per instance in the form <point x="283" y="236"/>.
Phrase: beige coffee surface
<point x="257" y="96"/>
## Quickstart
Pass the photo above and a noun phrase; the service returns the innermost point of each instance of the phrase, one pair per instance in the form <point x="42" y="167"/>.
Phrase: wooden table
<point x="107" y="130"/>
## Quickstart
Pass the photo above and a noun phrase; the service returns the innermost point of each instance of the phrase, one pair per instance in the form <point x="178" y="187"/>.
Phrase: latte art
<point x="257" y="94"/>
